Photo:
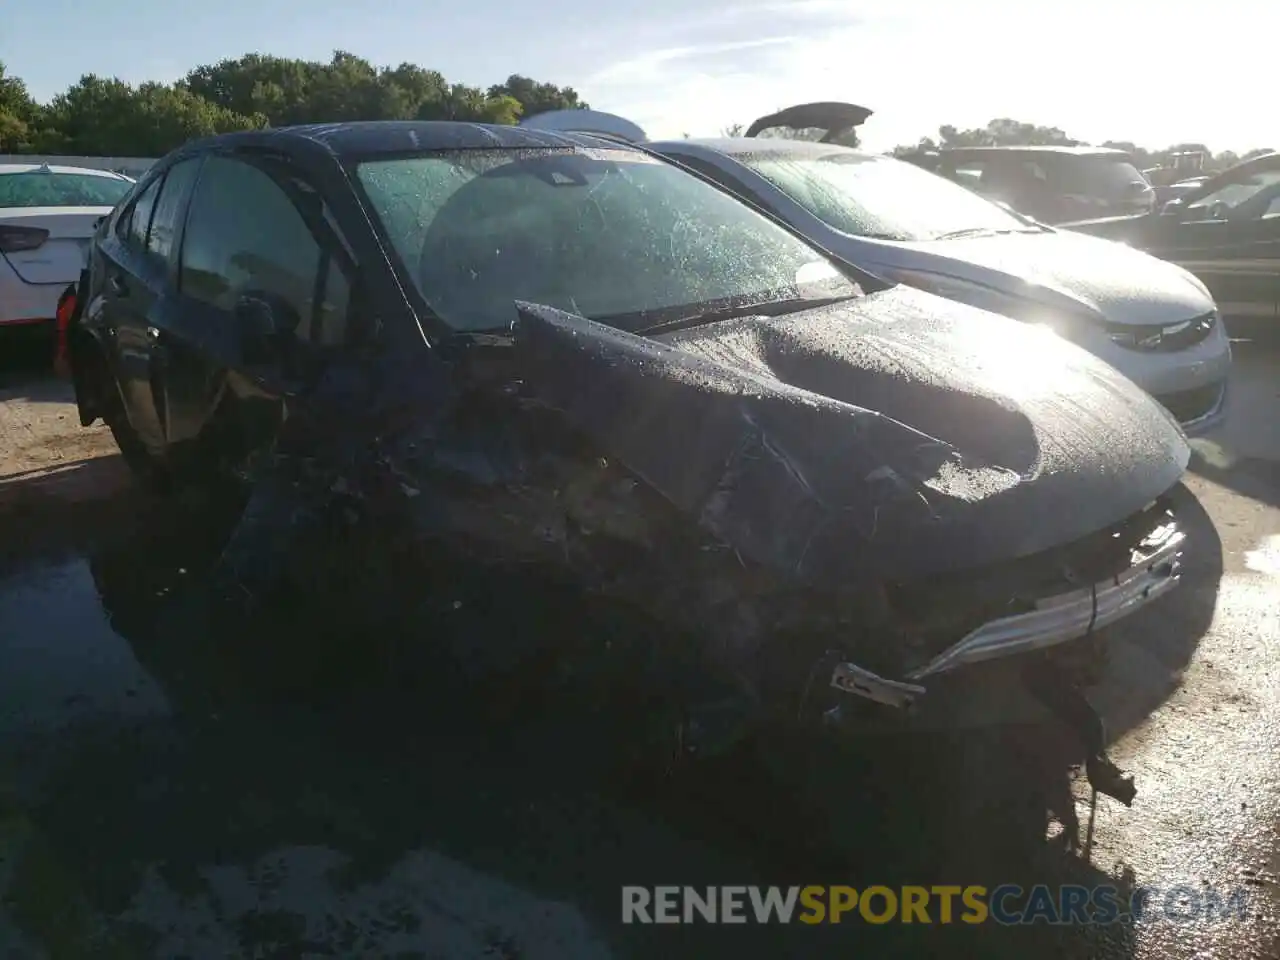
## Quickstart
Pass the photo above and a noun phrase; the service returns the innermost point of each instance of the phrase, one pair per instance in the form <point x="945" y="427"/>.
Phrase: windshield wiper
<point x="985" y="232"/>
<point x="966" y="232"/>
<point x="776" y="308"/>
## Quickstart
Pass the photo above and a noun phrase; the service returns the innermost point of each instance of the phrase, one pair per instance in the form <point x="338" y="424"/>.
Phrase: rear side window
<point x="138" y="221"/>
<point x="245" y="234"/>
<point x="166" y="220"/>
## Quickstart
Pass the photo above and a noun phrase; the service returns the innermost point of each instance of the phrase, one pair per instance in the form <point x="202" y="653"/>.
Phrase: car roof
<point x="1078" y="151"/>
<point x="34" y="167"/>
<point x="732" y="146"/>
<point x="372" y="137"/>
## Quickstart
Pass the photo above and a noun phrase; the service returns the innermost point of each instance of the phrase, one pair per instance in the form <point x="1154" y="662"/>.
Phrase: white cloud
<point x="656" y="63"/>
<point x="1099" y="69"/>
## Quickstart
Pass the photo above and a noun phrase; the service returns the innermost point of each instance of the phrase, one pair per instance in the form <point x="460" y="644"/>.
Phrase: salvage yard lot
<point x="168" y="791"/>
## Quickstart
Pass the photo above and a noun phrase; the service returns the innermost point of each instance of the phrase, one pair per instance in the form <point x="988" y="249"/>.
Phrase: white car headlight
<point x="1025" y="309"/>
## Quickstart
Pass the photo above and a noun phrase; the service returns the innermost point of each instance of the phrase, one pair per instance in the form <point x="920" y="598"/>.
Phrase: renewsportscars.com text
<point x="1006" y="904"/>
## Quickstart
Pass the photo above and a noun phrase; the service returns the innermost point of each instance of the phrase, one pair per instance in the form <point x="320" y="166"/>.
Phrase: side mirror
<point x="1173" y="208"/>
<point x="267" y="325"/>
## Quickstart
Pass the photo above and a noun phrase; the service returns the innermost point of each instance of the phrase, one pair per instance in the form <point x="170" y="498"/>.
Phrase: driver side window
<point x="244" y="233"/>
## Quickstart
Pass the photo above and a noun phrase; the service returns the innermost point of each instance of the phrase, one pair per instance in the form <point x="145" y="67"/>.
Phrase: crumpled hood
<point x="1123" y="284"/>
<point x="889" y="437"/>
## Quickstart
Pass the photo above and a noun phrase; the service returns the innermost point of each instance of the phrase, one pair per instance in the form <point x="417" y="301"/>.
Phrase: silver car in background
<point x="1152" y="320"/>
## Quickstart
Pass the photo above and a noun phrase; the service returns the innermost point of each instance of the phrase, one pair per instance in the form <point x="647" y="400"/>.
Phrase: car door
<point x="128" y="282"/>
<point x="162" y="249"/>
<point x="246" y="233"/>
<point x="1228" y="234"/>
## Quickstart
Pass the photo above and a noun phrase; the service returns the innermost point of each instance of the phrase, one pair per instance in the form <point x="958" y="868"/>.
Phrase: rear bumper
<point x="1056" y="620"/>
<point x="23" y="303"/>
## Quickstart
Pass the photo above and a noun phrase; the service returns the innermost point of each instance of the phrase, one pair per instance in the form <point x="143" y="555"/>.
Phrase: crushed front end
<point x="1031" y="604"/>
<point x="799" y="559"/>
<point x="1042" y="617"/>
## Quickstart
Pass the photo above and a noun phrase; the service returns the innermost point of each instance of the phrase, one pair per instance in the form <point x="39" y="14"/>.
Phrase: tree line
<point x="1005" y="132"/>
<point x="100" y="116"/>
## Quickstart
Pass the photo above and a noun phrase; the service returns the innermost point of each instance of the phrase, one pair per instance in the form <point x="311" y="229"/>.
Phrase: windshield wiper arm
<point x="776" y="308"/>
<point x="966" y="232"/>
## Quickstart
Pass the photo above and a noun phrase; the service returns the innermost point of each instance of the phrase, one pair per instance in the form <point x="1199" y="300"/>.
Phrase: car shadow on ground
<point x="1253" y="477"/>
<point x="314" y="729"/>
<point x="1244" y="454"/>
<point x="26" y="355"/>
<point x="61" y="508"/>
<point x="1150" y="650"/>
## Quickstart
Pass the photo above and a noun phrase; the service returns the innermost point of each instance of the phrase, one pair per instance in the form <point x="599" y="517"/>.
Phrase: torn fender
<point x="886" y="438"/>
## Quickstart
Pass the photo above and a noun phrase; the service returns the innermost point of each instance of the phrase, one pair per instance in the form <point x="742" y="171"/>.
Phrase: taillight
<point x="62" y="317"/>
<point x="66" y="307"/>
<point x="15" y="239"/>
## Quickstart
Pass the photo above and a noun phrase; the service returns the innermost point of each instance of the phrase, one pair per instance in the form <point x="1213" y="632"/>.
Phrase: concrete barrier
<point x="129" y="166"/>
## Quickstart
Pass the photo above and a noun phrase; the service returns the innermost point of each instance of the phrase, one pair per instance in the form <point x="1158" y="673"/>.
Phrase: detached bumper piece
<point x="1060" y="694"/>
<point x="1056" y="619"/>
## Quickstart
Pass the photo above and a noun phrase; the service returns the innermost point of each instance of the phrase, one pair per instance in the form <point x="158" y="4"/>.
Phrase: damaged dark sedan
<point x="557" y="353"/>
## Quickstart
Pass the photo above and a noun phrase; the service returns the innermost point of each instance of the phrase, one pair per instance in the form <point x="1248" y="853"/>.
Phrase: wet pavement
<point x="319" y="782"/>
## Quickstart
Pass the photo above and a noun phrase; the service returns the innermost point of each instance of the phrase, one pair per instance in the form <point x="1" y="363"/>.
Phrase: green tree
<point x="108" y="117"/>
<point x="276" y="87"/>
<point x="351" y="88"/>
<point x="534" y="97"/>
<point x="17" y="112"/>
<point x="1007" y="132"/>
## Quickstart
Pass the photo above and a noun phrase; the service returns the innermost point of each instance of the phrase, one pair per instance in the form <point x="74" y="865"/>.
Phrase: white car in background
<point x="1150" y="319"/>
<point x="47" y="216"/>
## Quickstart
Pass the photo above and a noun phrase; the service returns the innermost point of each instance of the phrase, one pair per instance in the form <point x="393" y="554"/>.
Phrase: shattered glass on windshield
<point x="610" y="235"/>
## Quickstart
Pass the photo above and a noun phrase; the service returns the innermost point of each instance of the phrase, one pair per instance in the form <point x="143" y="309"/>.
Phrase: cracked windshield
<point x="629" y="483"/>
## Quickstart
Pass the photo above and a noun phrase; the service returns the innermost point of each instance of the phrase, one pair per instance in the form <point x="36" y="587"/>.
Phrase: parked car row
<point x="1154" y="321"/>
<point x="830" y="491"/>
<point x="1054" y="184"/>
<point x="1224" y="228"/>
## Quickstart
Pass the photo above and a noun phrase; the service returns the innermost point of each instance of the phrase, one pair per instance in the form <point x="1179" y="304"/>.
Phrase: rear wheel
<point x="196" y="462"/>
<point x="92" y="373"/>
<point x="151" y="471"/>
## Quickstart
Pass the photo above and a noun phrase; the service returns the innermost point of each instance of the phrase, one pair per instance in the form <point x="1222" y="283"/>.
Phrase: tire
<point x="149" y="470"/>
<point x="194" y="464"/>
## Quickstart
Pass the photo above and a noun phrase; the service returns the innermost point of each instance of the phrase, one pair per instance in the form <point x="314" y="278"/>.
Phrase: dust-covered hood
<point x="893" y="436"/>
<point x="1121" y="284"/>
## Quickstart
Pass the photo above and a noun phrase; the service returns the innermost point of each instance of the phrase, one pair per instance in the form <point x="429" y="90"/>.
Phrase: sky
<point x="1141" y="70"/>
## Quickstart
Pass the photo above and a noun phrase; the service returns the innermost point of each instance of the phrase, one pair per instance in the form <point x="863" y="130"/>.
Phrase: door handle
<point x="153" y="333"/>
<point x="116" y="284"/>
